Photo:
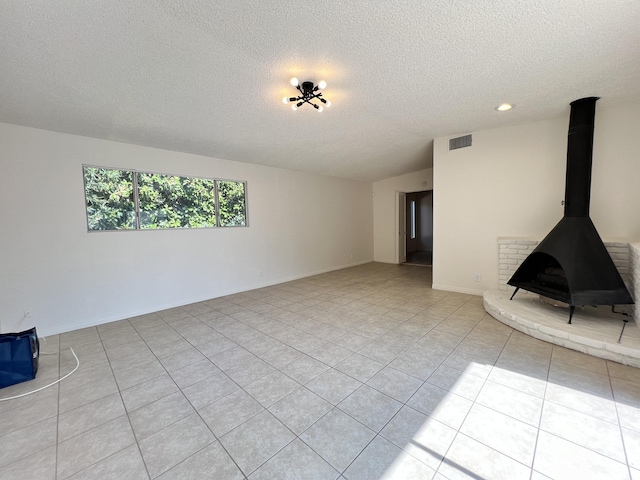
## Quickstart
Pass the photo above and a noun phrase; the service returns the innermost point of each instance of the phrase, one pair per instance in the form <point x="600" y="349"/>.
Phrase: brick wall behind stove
<point x="513" y="251"/>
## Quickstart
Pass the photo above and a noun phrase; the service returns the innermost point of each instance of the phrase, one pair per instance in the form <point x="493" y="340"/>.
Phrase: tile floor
<point x="363" y="373"/>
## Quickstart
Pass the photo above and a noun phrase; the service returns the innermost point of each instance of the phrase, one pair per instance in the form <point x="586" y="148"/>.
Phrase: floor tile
<point x="200" y="334"/>
<point x="580" y="379"/>
<point x="457" y="381"/>
<point x="304" y="369"/>
<point x="516" y="404"/>
<point x="359" y="367"/>
<point x="35" y="467"/>
<point x="352" y="341"/>
<point x="629" y="416"/>
<point x="255" y="441"/>
<point x="337" y="438"/>
<point x="566" y="356"/>
<point x="444" y="406"/>
<point x="394" y="383"/>
<point x="471" y="363"/>
<point x="585" y="430"/>
<point x="86" y="374"/>
<point x="134" y="376"/>
<point x="225" y="414"/>
<point x="502" y="433"/>
<point x="27" y="441"/>
<point x="181" y="359"/>
<point x="518" y="381"/>
<point x="625" y="392"/>
<point x="585" y="402"/>
<point x="538" y="476"/>
<point x="148" y="392"/>
<point x="281" y="355"/>
<point x="271" y="388"/>
<point x="194" y="373"/>
<point x="623" y="372"/>
<point x="125" y="464"/>
<point x="293" y="462"/>
<point x="71" y="398"/>
<point x="212" y="458"/>
<point x="370" y="407"/>
<point x="209" y="390"/>
<point x="94" y="445"/>
<point x="213" y="348"/>
<point x="419" y="435"/>
<point x="383" y="460"/>
<point x="88" y="416"/>
<point x="25" y="411"/>
<point x="415" y="365"/>
<point x="162" y="337"/>
<point x="333" y="386"/>
<point x="419" y="351"/>
<point x="300" y="409"/>
<point x="330" y="354"/>
<point x="173" y="444"/>
<point x="380" y="352"/>
<point x="559" y="459"/>
<point x="249" y="371"/>
<point x="155" y="416"/>
<point x="470" y="459"/>
<point x="134" y="360"/>
<point x="632" y="447"/>
<point x="126" y="349"/>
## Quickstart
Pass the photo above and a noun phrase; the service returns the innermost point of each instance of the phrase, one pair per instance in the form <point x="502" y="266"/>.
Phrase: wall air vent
<point x="460" y="142"/>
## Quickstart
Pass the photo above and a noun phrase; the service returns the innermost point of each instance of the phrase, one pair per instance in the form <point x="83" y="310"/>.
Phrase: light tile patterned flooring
<point x="363" y="373"/>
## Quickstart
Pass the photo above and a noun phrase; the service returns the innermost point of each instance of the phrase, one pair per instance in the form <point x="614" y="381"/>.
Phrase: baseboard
<point x="449" y="288"/>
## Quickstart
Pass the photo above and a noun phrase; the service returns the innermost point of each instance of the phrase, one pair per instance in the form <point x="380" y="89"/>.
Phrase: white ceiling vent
<point x="460" y="142"/>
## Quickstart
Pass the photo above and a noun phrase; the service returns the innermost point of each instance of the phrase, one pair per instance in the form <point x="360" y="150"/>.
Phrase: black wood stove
<point x="571" y="264"/>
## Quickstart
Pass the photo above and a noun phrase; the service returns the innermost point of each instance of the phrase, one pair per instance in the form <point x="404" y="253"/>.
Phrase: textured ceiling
<point x="207" y="77"/>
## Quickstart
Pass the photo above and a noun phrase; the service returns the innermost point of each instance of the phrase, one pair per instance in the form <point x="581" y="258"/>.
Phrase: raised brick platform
<point x="594" y="330"/>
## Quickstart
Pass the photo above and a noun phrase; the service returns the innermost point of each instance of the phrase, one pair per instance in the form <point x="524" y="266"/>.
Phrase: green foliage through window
<point x="109" y="196"/>
<point x="232" y="205"/>
<point x="160" y="201"/>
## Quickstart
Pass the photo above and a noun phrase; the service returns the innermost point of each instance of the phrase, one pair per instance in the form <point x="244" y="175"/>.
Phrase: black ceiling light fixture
<point x="309" y="92"/>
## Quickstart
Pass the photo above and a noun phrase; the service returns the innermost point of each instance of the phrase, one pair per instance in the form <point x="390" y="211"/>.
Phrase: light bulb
<point x="294" y="108"/>
<point x="322" y="84"/>
<point x="294" y="82"/>
<point x="328" y="104"/>
<point x="320" y="108"/>
<point x="504" y="107"/>
<point x="285" y="100"/>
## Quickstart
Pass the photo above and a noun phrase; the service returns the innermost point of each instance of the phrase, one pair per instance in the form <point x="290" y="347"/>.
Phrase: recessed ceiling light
<point x="504" y="107"/>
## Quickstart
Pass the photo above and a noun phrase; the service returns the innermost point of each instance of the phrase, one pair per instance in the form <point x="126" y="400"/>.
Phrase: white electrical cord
<point x="46" y="386"/>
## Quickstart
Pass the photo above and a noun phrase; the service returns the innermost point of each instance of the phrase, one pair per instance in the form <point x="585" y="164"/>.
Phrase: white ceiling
<point x="208" y="76"/>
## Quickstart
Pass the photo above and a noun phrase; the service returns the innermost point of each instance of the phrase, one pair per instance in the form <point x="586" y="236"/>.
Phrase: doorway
<point x="417" y="226"/>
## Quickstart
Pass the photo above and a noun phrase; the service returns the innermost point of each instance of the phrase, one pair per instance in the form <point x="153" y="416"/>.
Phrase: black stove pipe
<point x="579" y="157"/>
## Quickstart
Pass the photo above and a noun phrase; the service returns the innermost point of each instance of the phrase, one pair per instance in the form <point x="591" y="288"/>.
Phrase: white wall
<point x="510" y="184"/>
<point x="384" y="210"/>
<point x="67" y="278"/>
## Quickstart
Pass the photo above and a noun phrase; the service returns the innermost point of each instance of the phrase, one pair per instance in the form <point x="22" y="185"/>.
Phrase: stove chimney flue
<point x="579" y="157"/>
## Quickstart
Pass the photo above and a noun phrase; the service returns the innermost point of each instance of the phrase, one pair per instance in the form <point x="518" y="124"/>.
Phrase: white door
<point x="401" y="224"/>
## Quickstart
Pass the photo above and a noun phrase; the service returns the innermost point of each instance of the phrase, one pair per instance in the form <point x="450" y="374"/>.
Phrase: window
<point x="413" y="219"/>
<point x="175" y="202"/>
<point x="231" y="203"/>
<point x="109" y="199"/>
<point x="128" y="200"/>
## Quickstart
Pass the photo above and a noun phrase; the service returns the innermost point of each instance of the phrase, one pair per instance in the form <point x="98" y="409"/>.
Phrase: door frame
<point x="401" y="227"/>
